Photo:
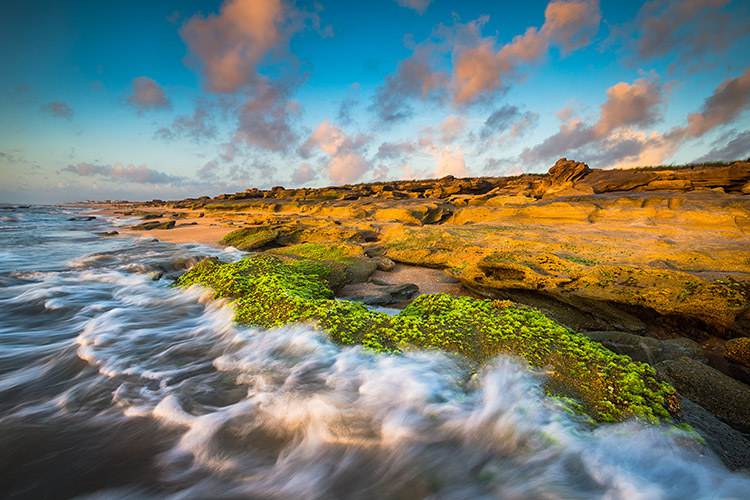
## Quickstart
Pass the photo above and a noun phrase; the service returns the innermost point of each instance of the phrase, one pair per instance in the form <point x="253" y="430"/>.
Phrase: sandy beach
<point x="188" y="228"/>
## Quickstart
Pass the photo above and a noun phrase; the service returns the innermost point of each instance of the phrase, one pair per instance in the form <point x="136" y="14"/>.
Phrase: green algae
<point x="249" y="238"/>
<point x="147" y="226"/>
<point x="269" y="293"/>
<point x="322" y="251"/>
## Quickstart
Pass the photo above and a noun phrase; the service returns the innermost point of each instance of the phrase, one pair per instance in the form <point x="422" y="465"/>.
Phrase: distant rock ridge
<point x="565" y="178"/>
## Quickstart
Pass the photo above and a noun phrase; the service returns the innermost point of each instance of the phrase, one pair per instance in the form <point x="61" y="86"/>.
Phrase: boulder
<point x="565" y="171"/>
<point x="726" y="443"/>
<point x="380" y="299"/>
<point x="358" y="269"/>
<point x="447" y="278"/>
<point x="724" y="397"/>
<point x="384" y="263"/>
<point x="677" y="348"/>
<point x="648" y="349"/>
<point x="250" y="238"/>
<point x="738" y="371"/>
<point x="148" y="226"/>
<point x="404" y="291"/>
<point x="738" y="350"/>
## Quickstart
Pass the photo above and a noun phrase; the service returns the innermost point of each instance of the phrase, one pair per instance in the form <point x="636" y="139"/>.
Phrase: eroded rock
<point x="738" y="350"/>
<point x="724" y="397"/>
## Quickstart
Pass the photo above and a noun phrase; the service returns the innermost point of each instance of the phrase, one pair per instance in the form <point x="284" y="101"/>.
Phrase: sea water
<point x="114" y="385"/>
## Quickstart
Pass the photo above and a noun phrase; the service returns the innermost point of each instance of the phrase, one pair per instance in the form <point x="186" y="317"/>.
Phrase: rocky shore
<point x="652" y="264"/>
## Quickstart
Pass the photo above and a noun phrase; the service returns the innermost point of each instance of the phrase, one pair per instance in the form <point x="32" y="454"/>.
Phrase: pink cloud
<point x="477" y="72"/>
<point x="447" y="131"/>
<point x="346" y="163"/>
<point x="347" y="167"/>
<point x="230" y="45"/>
<point x="329" y="138"/>
<point x="480" y="71"/>
<point x="147" y="95"/>
<point x="628" y="105"/>
<point x="571" y="24"/>
<point x="480" y="68"/>
<point x="613" y="141"/>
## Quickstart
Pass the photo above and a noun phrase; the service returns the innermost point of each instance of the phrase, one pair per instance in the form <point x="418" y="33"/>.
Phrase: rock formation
<point x="657" y="256"/>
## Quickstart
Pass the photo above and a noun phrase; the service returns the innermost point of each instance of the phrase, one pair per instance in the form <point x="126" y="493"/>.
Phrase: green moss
<point x="321" y="251"/>
<point x="147" y="226"/>
<point x="269" y="293"/>
<point x="249" y="238"/>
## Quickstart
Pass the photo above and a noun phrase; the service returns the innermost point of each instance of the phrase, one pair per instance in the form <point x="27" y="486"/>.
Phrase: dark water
<point x="114" y="386"/>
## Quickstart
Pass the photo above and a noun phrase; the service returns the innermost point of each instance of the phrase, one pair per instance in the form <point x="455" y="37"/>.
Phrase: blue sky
<point x="172" y="99"/>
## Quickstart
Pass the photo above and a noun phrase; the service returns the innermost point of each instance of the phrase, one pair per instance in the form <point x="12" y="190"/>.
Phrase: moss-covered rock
<point x="268" y="293"/>
<point x="358" y="266"/>
<point x="147" y="226"/>
<point x="250" y="238"/>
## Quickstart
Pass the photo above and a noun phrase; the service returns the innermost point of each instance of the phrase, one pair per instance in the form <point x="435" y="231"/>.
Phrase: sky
<point x="183" y="98"/>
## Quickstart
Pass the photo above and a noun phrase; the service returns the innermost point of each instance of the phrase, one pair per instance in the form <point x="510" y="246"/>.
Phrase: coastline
<point x="655" y="275"/>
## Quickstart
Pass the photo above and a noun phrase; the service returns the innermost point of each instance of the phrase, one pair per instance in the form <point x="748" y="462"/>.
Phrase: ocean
<point x="116" y="385"/>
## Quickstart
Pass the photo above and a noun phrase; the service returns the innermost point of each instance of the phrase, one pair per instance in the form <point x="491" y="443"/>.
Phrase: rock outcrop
<point x="724" y="397"/>
<point x="629" y="256"/>
<point x="648" y="349"/>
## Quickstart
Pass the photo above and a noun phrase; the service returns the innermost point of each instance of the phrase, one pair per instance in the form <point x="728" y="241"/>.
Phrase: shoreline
<point x="208" y="230"/>
<point x="658" y="276"/>
<point x="188" y="229"/>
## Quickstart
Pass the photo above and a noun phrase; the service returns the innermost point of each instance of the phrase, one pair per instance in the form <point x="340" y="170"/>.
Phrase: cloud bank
<point x="118" y="172"/>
